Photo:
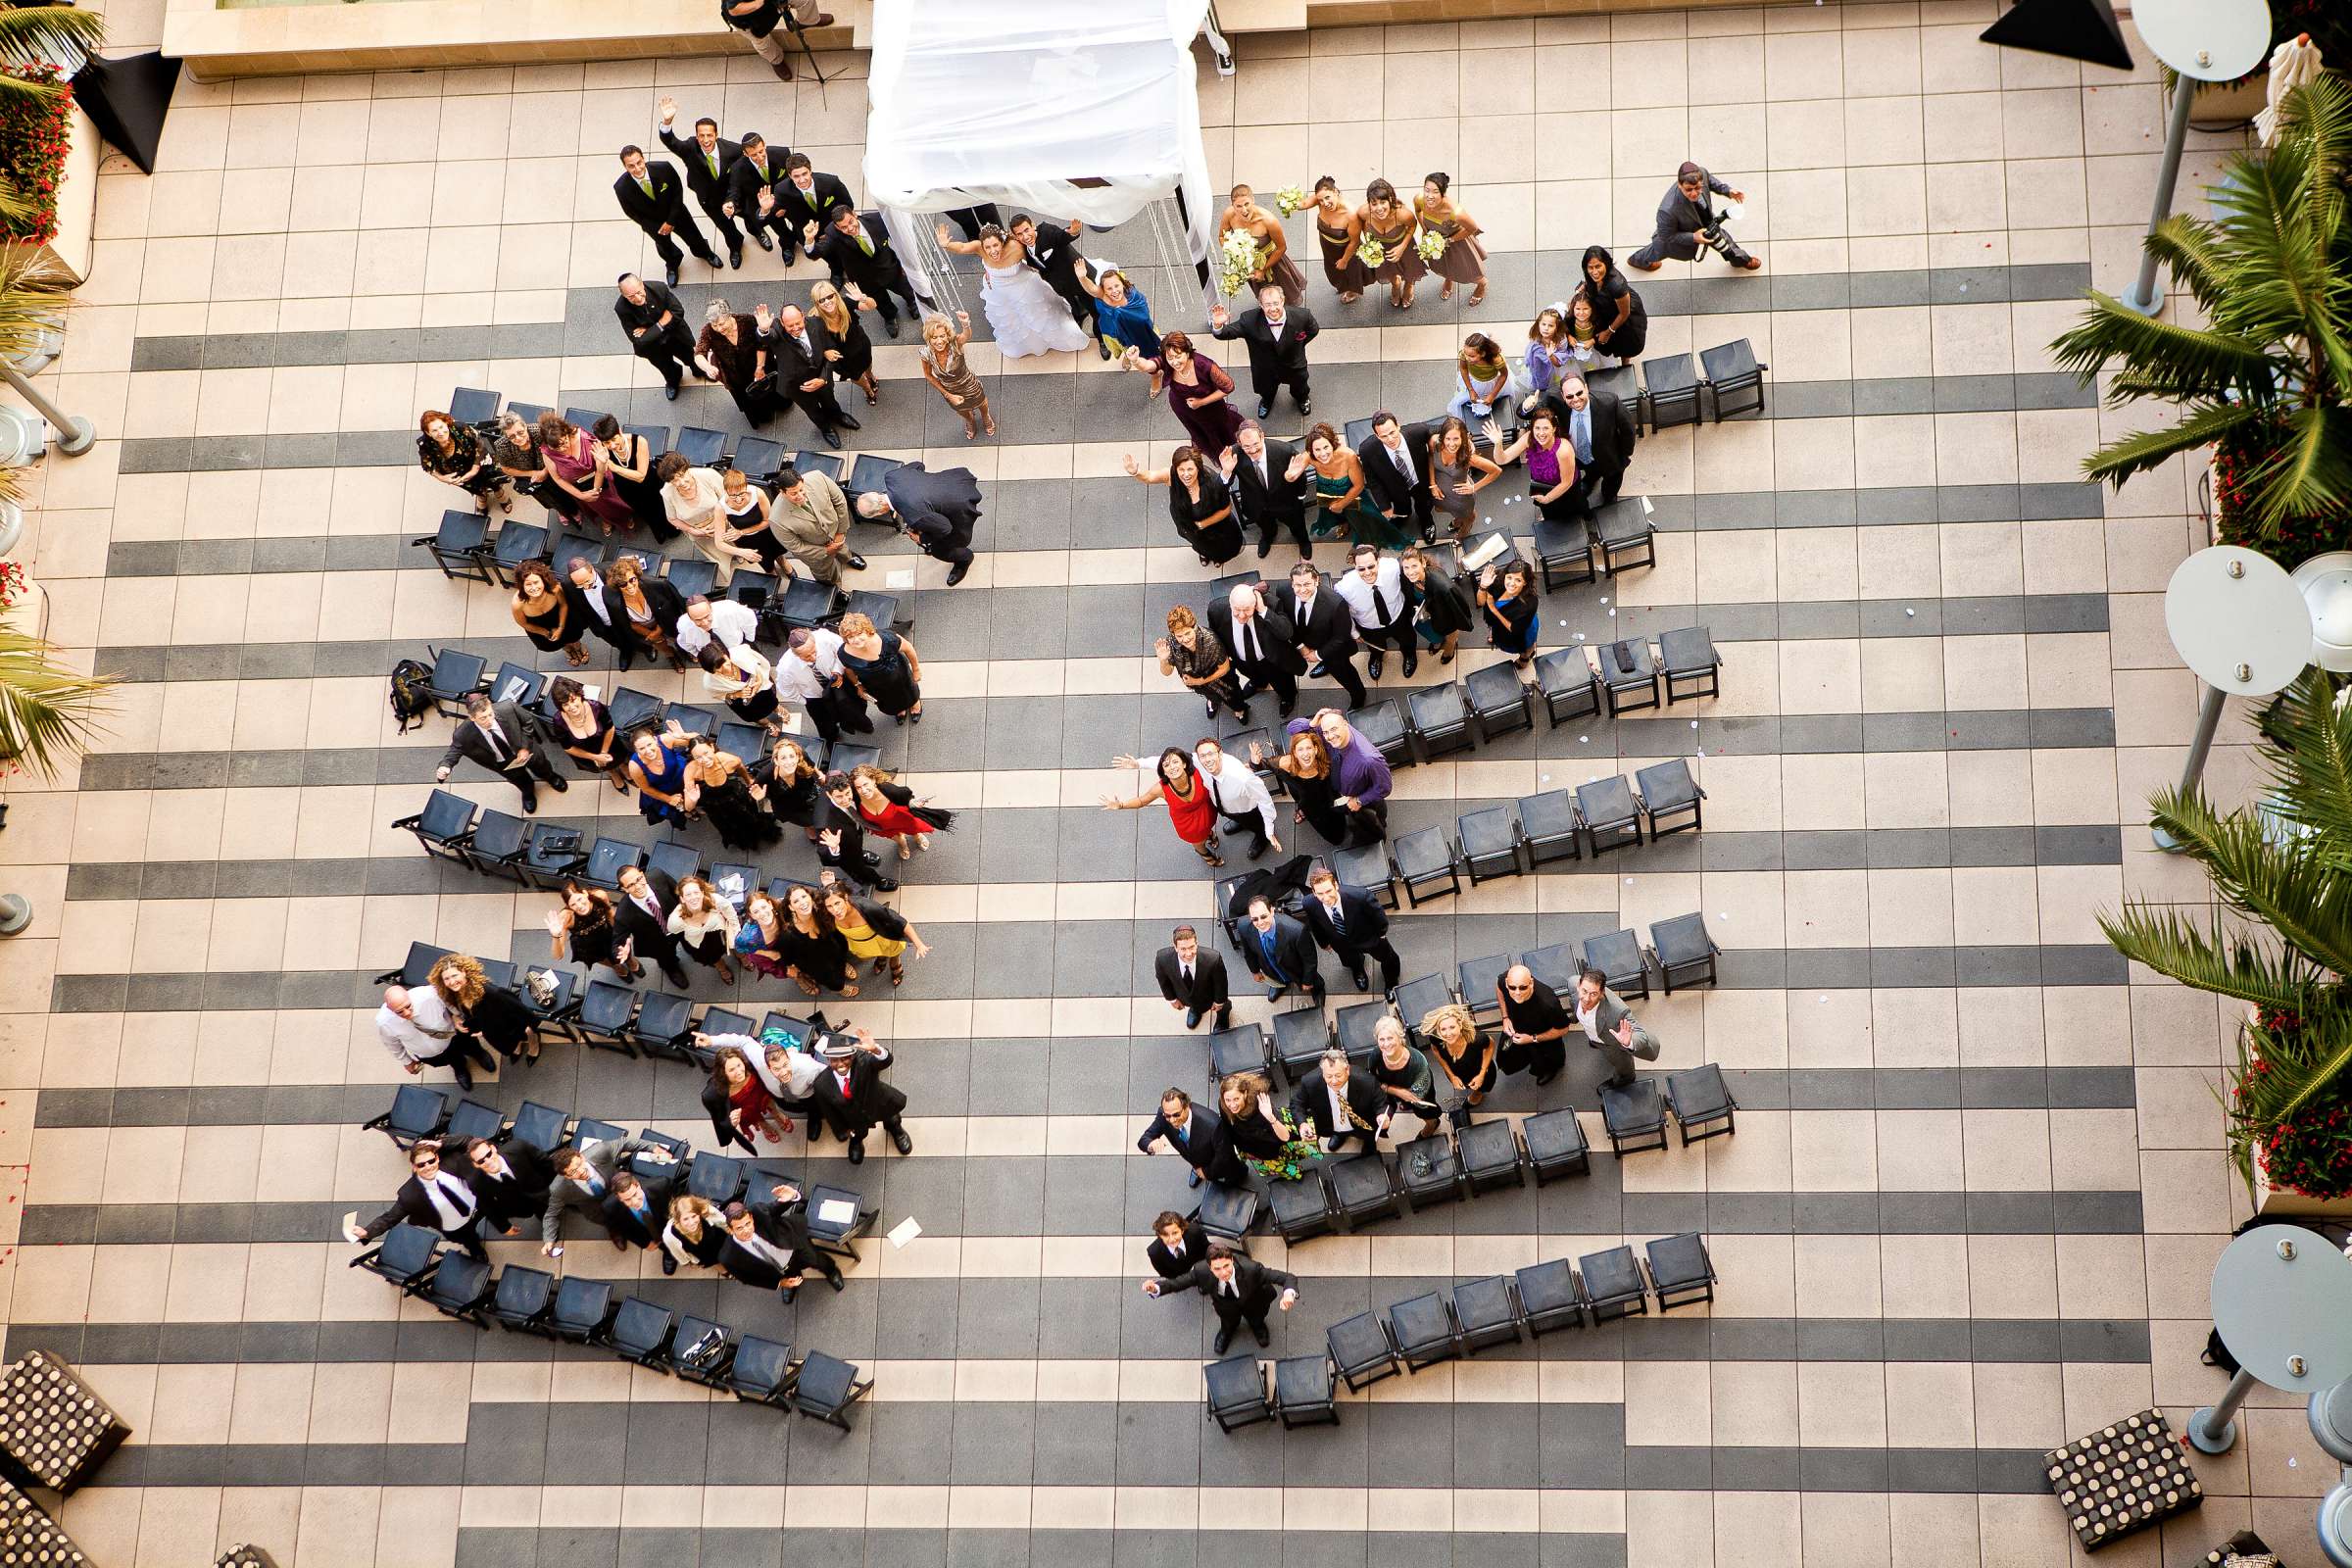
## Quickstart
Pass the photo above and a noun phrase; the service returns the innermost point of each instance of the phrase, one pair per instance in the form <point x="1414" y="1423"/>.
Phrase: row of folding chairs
<point x="1442" y="1326"/>
<point x="1675" y="388"/>
<point x="582" y="1312"/>
<point x="419" y="1112"/>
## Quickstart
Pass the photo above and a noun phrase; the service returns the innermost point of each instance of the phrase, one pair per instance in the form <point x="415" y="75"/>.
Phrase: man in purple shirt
<point x="1359" y="771"/>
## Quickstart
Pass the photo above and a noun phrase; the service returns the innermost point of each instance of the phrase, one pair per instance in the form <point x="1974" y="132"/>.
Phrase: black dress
<point x="499" y="1017"/>
<point x="823" y="960"/>
<point x="466" y="450"/>
<point x="1628" y="340"/>
<point x="789" y="803"/>
<point x="605" y="738"/>
<point x="735" y="363"/>
<point x="570" y="608"/>
<point x="889" y="679"/>
<point x="1319" y="799"/>
<point x="593" y="939"/>
<point x="743" y="823"/>
<point x="1220" y="541"/>
<point x="857" y="348"/>
<point x="1440" y="611"/>
<point x="644" y="496"/>
<point x="704" y="1248"/>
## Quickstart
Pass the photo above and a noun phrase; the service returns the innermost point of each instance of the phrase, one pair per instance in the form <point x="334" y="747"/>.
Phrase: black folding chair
<point x="538" y="1126"/>
<point x="522" y="1299"/>
<point x="1668" y="791"/>
<point x="461" y="547"/>
<point x="1553" y="831"/>
<point x="1617" y="954"/>
<point x="444" y="827"/>
<point x="1501" y="700"/>
<point x="661" y="1026"/>
<point x="406" y="1256"/>
<point x="1611" y="817"/>
<point x="461" y="1288"/>
<point x="827" y="1387"/>
<point x="1428" y="866"/>
<point x="457" y="675"/>
<point x="417" y="1112"/>
<point x="1686" y="954"/>
<point x="1735" y="377"/>
<point x="1237" y="1392"/>
<point x="1570" y="689"/>
<point x="701" y="448"/>
<point x="761" y="1372"/>
<point x="1692" y="666"/>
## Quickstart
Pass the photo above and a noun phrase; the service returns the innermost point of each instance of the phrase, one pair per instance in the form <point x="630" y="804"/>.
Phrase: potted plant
<point x="2264" y="378"/>
<point x="2282" y="943"/>
<point x="2327" y="24"/>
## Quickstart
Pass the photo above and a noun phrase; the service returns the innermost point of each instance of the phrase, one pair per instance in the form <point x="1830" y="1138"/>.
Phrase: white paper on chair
<point x="837" y="1212"/>
<point x="1646" y="509"/>
<point x="1488" y="549"/>
<point x="791" y="721"/>
<point x="898" y="580"/>
<point x="905" y="1231"/>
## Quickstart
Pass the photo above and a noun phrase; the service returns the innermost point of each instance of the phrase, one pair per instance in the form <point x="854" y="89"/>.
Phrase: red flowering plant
<point x="2292" y="539"/>
<point x="2299" y="1141"/>
<point x="36" y="133"/>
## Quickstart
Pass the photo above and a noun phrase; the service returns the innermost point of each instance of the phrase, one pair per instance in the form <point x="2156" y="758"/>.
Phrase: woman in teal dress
<point x="1342" y="504"/>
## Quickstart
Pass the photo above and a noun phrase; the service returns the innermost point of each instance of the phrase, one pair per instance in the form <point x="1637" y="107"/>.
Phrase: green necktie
<point x="809" y="196"/>
<point x="864" y="244"/>
<point x="714" y="157"/>
<point x="645" y="181"/>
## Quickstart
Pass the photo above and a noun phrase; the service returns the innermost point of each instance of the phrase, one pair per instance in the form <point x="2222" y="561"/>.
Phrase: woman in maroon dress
<point x="1197" y="390"/>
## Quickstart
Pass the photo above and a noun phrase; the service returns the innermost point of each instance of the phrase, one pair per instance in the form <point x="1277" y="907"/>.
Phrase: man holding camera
<point x="1688" y="219"/>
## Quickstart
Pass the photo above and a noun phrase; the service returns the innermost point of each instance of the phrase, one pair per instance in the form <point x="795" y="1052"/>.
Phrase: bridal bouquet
<point x="1239" y="258"/>
<point x="1430" y="244"/>
<point x="1371" y="252"/>
<point x="1289" y="200"/>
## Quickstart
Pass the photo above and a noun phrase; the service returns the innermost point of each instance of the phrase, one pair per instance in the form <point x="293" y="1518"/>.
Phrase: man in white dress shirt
<point x="415" y="1026"/>
<point x="732" y="624"/>
<point x="1240" y="795"/>
<point x="1374" y="593"/>
<point x="809" y="672"/>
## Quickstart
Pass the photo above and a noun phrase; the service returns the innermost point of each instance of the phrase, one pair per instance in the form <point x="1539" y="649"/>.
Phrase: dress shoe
<point x="1257" y="1332"/>
<point x="1318" y="670"/>
<point x="759" y="237"/>
<point x="1751" y="263"/>
<point x="670" y="272"/>
<point x="782" y="68"/>
<point x="848" y="424"/>
<point x="838" y="1284"/>
<point x="884" y="884"/>
<point x="1307" y="406"/>
<point x="670" y="391"/>
<point x="832" y="438"/>
<point x="1646" y="267"/>
<point x="958" y="573"/>
<point x="901" y="1142"/>
<point x="1543" y="1078"/>
<point x="1222" y="1343"/>
<point x="1264" y="408"/>
<point x="735" y="256"/>
<point x="618" y="1246"/>
<point x="1102" y="344"/>
<point x="1193" y="1180"/>
<point x="1412" y="662"/>
<point x="1363" y="981"/>
<point x="1274" y="993"/>
<point x="1375" y="664"/>
<point x="858" y="1149"/>
<point x="669" y="1264"/>
<point x="1192" y="1018"/>
<point x="677" y="978"/>
<point x="854" y="560"/>
<point x="558" y="784"/>
<point x="890" y="325"/>
<point x="530" y="804"/>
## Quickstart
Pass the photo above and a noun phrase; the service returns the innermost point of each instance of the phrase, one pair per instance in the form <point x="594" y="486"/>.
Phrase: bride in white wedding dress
<point x="1026" y="316"/>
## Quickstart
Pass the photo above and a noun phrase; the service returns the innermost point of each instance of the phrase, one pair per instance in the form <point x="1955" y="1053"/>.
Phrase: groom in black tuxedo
<point x="1054" y="253"/>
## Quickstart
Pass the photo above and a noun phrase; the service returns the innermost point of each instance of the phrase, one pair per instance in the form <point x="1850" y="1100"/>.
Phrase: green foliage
<point x="32" y="101"/>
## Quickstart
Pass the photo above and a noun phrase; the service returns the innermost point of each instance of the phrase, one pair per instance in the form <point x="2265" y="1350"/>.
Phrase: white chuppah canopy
<point x="1010" y="101"/>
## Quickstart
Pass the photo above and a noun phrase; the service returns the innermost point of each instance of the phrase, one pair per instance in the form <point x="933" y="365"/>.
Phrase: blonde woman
<point x="848" y="352"/>
<point x="705" y="926"/>
<point x="696" y="501"/>
<point x="1024" y="314"/>
<point x="944" y="368"/>
<point x="696" y="1232"/>
<point x="489" y="1013"/>
<point x="1459" y="1050"/>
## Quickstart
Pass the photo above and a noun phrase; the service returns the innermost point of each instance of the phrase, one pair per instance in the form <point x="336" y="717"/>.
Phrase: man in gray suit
<point x="584" y="1180"/>
<point x="1609" y="1028"/>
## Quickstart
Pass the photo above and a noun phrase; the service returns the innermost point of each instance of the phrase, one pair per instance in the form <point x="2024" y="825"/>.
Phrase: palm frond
<point x="2129" y="455"/>
<point x="60" y="35"/>
<point x="2205" y="958"/>
<point x="2309" y="760"/>
<point x="2287" y="887"/>
<point x="48" y="715"/>
<point x="2310" y="472"/>
<point x="36" y="289"/>
<point x="2164" y="358"/>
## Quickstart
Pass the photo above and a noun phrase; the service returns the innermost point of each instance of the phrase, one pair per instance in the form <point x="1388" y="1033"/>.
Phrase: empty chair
<point x="692" y="574"/>
<point x="1613" y="1284"/>
<point x="1634" y="1116"/>
<point x="1563" y="550"/>
<point x="1622" y="382"/>
<point x="761" y="1372"/>
<point x="1479" y="978"/>
<point x="1686" y="954"/>
<point x="1499" y="701"/>
<point x="758" y="457"/>
<point x="1241" y="1048"/>
<point x="881" y="608"/>
<point x="1625" y="535"/>
<point x="1363" y="1188"/>
<point x="461" y="547"/>
<point x="1490" y="840"/>
<point x="1428" y="866"/>
<point x="847" y="757"/>
<point x="1367" y="866"/>
<point x="661" y="1023"/>
<point x="641" y="1332"/>
<point x="1669" y="791"/>
<point x="674" y="861"/>
<point x="1417" y="999"/>
<point x="1679" y="1271"/>
<point x="515" y="684"/>
<point x="1301" y="1037"/>
<point x="517" y="543"/>
<point x="1670" y="381"/>
<point x="538" y="1126"/>
<point x="459" y="1288"/>
<point x="405" y="1256"/>
<point x="633" y="710"/>
<point x="416" y="967"/>
<point x="1550" y="829"/>
<point x="1692" y="666"/>
<point x="1734" y="376"/>
<point x="1555" y="966"/>
<point x="1617" y="954"/>
<point x="472" y="405"/>
<point x="1352" y="1031"/>
<point x="1383" y="724"/>
<point x="444" y="826"/>
<point x="1556" y="1145"/>
<point x="696" y="722"/>
<point x="473" y="1119"/>
<point x="1442" y="718"/>
<point x="700" y="1352"/>
<point x="1302" y="1209"/>
<point x="522" y="1299"/>
<point x="1570" y="690"/>
<point x="1701" y="1103"/>
<point x="747" y="741"/>
<point x="826" y="1388"/>
<point x="1226" y="1213"/>
<point x="1425" y="1331"/>
<point x="583" y="1309"/>
<point x="804" y="604"/>
<point x="1628" y="675"/>
<point x="1237" y="1391"/>
<point x="644" y="1165"/>
<point x="1305" y="1390"/>
<point x="868" y="473"/>
<point x="1428" y="1170"/>
<point x="607" y="859"/>
<point x="1485" y="1312"/>
<point x="751" y="588"/>
<point x="719" y="1178"/>
<point x="527" y="412"/>
<point x="836" y="1218"/>
<point x="588" y="1130"/>
<point x="1362" y="1351"/>
<point x="722" y="1021"/>
<point x="1549" y="1297"/>
<point x="1491" y="1154"/>
<point x="700" y="447"/>
<point x="1611" y="817"/>
<point x="457" y="675"/>
<point x="417" y="1112"/>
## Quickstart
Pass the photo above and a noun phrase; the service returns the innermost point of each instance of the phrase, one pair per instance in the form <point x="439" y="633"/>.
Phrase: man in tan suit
<point x="810" y="519"/>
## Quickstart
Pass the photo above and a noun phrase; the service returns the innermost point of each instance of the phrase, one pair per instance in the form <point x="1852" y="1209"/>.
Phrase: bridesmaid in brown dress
<point x="1336" y="233"/>
<point x="943" y="366"/>
<point x="1386" y="219"/>
<point x="1265" y="228"/>
<point x="1464" y="259"/>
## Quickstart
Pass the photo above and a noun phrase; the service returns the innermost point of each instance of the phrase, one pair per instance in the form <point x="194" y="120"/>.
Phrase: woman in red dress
<point x="1190" y="807"/>
<point x="892" y="811"/>
<point x="750" y="1109"/>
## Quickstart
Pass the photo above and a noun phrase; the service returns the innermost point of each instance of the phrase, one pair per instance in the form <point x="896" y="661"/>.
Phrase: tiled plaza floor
<point x="1976" y="1187"/>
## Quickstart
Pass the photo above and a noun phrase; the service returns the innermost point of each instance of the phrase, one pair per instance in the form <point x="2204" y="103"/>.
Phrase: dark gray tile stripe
<point x="588" y="327"/>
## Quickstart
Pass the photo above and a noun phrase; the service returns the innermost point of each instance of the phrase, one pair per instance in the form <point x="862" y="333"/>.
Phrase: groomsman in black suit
<point x="1193" y="981"/>
<point x="656" y="325"/>
<point x="810" y="199"/>
<point x="937" y="511"/>
<point x="707" y="159"/>
<point x="857" y="248"/>
<point x="1396" y="460"/>
<point x="642" y="914"/>
<point x="1278" y="335"/>
<point x="1263" y="647"/>
<point x="1191" y="1133"/>
<point x="1176" y="1244"/>
<point x="758" y="170"/>
<point x="1322" y="623"/>
<point x="1054" y="254"/>
<point x="1352" y="925"/>
<point x="500" y="738"/>
<point x="1258" y="468"/>
<point x="511" y="1183"/>
<point x="654" y="196"/>
<point x="798" y="360"/>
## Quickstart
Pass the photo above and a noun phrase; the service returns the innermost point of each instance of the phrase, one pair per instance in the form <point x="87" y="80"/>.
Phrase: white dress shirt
<point x="804" y="682"/>
<point x="451" y="1200"/>
<point x="733" y="623"/>
<point x="760" y="1246"/>
<point x="423" y="1038"/>
<point x="1374" y="605"/>
<point x="1402" y="455"/>
<point x="1236" y="790"/>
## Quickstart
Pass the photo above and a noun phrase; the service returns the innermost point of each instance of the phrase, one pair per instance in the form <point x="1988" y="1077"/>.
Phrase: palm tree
<point x="34" y="34"/>
<point x="2273" y="278"/>
<point x="2283" y="875"/>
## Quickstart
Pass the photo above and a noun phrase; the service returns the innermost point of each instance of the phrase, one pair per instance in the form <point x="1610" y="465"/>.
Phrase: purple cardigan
<point x="1358" y="770"/>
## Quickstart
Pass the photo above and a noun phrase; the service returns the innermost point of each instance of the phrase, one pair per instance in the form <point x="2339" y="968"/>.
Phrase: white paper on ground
<point x="905" y="1231"/>
<point x="898" y="580"/>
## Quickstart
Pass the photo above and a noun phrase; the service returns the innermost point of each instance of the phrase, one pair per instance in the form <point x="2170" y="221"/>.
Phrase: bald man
<point x="1534" y="1024"/>
<point x="416" y="1027"/>
<point x="1263" y="645"/>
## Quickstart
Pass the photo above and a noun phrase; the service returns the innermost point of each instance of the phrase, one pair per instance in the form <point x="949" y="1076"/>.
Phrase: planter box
<point x="78" y="200"/>
<point x="2269" y="1199"/>
<point x="2230" y="103"/>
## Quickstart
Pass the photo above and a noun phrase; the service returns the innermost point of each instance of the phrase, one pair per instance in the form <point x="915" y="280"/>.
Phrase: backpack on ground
<point x="412" y="694"/>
